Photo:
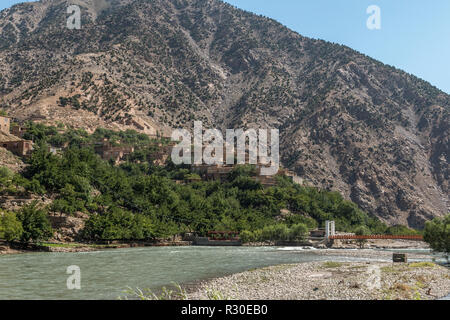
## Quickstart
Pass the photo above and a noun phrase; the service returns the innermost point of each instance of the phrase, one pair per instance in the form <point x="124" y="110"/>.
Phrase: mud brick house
<point x="109" y="152"/>
<point x="266" y="181"/>
<point x="212" y="172"/>
<point x="291" y="175"/>
<point x="18" y="131"/>
<point x="54" y="150"/>
<point x="221" y="173"/>
<point x="115" y="154"/>
<point x="20" y="147"/>
<point x="162" y="152"/>
<point x="5" y="124"/>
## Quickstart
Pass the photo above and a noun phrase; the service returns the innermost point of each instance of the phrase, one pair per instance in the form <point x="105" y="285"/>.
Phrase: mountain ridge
<point x="347" y="122"/>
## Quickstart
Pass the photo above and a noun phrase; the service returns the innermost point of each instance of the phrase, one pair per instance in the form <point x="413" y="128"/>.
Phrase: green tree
<point x="275" y="232"/>
<point x="10" y="227"/>
<point x="437" y="234"/>
<point x="153" y="206"/>
<point x="247" y="236"/>
<point x="362" y="231"/>
<point x="6" y="176"/>
<point x="118" y="224"/>
<point x="35" y="223"/>
<point x="298" y="232"/>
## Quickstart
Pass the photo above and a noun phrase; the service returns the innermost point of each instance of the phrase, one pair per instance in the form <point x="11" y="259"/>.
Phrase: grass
<point x="420" y="285"/>
<point x="400" y="290"/>
<point x="395" y="268"/>
<point x="402" y="287"/>
<point x="177" y="293"/>
<point x="331" y="264"/>
<point x="76" y="245"/>
<point x="281" y="267"/>
<point x="390" y="269"/>
<point x="216" y="295"/>
<point x="417" y="295"/>
<point x="166" y="294"/>
<point x="401" y="267"/>
<point x="63" y="245"/>
<point x="407" y="291"/>
<point x="358" y="267"/>
<point x="422" y="265"/>
<point x="264" y="278"/>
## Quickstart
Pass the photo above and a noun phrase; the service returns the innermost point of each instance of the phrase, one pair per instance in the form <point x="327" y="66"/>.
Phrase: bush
<point x="298" y="232"/>
<point x="247" y="236"/>
<point x="267" y="233"/>
<point x="257" y="235"/>
<point x="10" y="227"/>
<point x="275" y="232"/>
<point x="118" y="224"/>
<point x="362" y="231"/>
<point x="34" y="186"/>
<point x="79" y="180"/>
<point x="35" y="223"/>
<point x="437" y="234"/>
<point x="5" y="174"/>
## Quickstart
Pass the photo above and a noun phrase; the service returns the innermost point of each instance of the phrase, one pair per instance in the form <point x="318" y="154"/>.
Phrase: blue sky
<point x="414" y="34"/>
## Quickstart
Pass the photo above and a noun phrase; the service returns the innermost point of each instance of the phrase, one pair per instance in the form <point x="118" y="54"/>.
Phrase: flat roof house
<point x="18" y="131"/>
<point x="5" y="124"/>
<point x="20" y="148"/>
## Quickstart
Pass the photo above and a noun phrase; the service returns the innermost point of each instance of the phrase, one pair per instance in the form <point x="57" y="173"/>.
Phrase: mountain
<point x="347" y="122"/>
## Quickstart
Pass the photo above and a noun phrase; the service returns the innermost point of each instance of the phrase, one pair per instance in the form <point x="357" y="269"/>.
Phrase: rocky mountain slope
<point x="347" y="122"/>
<point x="10" y="161"/>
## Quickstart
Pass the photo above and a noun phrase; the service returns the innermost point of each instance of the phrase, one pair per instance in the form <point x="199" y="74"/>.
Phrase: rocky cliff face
<point x="347" y="122"/>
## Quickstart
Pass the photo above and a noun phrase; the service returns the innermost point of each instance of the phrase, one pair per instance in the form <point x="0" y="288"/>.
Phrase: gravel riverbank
<point x="372" y="254"/>
<point x="332" y="281"/>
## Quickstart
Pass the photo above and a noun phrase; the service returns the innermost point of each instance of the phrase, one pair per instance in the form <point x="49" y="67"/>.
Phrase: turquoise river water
<point x="106" y="274"/>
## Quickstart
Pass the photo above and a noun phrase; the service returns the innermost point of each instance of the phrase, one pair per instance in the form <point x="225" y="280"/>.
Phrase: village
<point x="12" y="139"/>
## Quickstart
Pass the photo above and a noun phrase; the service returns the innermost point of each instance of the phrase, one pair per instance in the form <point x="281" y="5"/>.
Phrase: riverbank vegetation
<point x="437" y="234"/>
<point x="138" y="200"/>
<point x="29" y="224"/>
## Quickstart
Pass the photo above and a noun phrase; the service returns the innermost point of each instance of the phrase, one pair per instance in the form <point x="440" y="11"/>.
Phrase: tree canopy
<point x="437" y="234"/>
<point x="138" y="200"/>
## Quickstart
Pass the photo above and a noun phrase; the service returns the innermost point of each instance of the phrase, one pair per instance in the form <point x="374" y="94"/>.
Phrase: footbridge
<point x="330" y="234"/>
<point x="375" y="237"/>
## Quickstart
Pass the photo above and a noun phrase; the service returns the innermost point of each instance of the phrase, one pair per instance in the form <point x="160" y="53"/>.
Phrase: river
<point x="106" y="274"/>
